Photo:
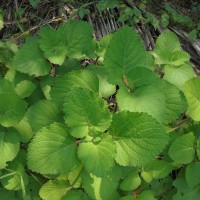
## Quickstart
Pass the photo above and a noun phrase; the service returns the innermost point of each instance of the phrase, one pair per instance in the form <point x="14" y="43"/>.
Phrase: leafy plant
<point x="60" y="137"/>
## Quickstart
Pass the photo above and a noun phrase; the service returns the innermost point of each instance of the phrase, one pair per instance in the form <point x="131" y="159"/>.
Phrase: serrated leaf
<point x="64" y="84"/>
<point x="125" y="52"/>
<point x="52" y="151"/>
<point x="160" y="99"/>
<point x="182" y="150"/>
<point x="51" y="44"/>
<point x="98" y="158"/>
<point x="192" y="174"/>
<point x="42" y="114"/>
<point x="29" y="59"/>
<point x="18" y="180"/>
<point x="54" y="189"/>
<point x="102" y="188"/>
<point x="25" y="88"/>
<point x="85" y="112"/>
<point x="192" y="94"/>
<point x="178" y="75"/>
<point x="139" y="138"/>
<point x="168" y="41"/>
<point x="77" y="44"/>
<point x="131" y="182"/>
<point x="9" y="147"/>
<point x="12" y="109"/>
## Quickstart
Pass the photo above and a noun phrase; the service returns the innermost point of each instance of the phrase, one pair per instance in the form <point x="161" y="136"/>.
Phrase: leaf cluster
<point x="60" y="138"/>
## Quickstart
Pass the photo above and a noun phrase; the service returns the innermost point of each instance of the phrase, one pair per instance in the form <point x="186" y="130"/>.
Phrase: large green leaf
<point x="51" y="44"/>
<point x="9" y="147"/>
<point x="12" y="109"/>
<point x="42" y="114"/>
<point x="85" y="112"/>
<point x="125" y="52"/>
<point x="192" y="174"/>
<point x="54" y="190"/>
<point x="182" y="150"/>
<point x="139" y="138"/>
<point x="67" y="41"/>
<point x="29" y="59"/>
<point x="168" y="41"/>
<point x="52" y="151"/>
<point x="81" y="78"/>
<point x="98" y="158"/>
<point x="178" y="75"/>
<point x="184" y="192"/>
<point x="100" y="188"/>
<point x="160" y="99"/>
<point x="77" y="38"/>
<point x="192" y="94"/>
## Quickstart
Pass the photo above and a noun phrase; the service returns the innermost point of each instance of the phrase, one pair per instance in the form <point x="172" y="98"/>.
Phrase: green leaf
<point x="42" y="114"/>
<point x="12" y="109"/>
<point x="9" y="147"/>
<point x="54" y="189"/>
<point x="69" y="65"/>
<point x="74" y="177"/>
<point x="140" y="76"/>
<point x="75" y="195"/>
<point x="156" y="169"/>
<point x="98" y="158"/>
<point x="25" y="88"/>
<point x="100" y="188"/>
<point x="125" y="52"/>
<point x="178" y="75"/>
<point x="182" y="150"/>
<point x="146" y="194"/>
<point x="167" y="41"/>
<point x="29" y="59"/>
<point x="24" y="130"/>
<point x="184" y="192"/>
<point x="105" y="88"/>
<point x="160" y="99"/>
<point x="18" y="180"/>
<point x="103" y="4"/>
<point x="192" y="174"/>
<point x="131" y="182"/>
<point x="192" y="94"/>
<point x="52" y="151"/>
<point x="85" y="112"/>
<point x="139" y="138"/>
<point x="63" y="84"/>
<point x="51" y="44"/>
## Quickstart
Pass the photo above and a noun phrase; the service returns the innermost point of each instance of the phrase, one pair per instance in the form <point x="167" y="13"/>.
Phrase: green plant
<point x="60" y="137"/>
